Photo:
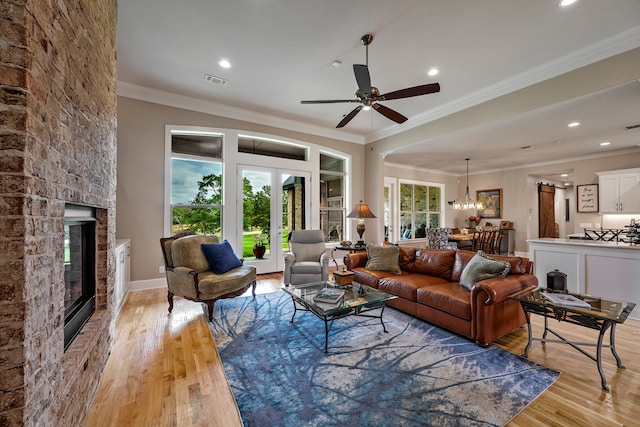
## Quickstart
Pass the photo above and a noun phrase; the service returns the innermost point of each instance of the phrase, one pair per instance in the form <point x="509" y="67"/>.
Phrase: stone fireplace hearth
<point x="57" y="146"/>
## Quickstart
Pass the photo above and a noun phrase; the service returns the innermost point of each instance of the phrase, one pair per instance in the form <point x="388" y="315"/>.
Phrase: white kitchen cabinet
<point x="619" y="191"/>
<point x="123" y="275"/>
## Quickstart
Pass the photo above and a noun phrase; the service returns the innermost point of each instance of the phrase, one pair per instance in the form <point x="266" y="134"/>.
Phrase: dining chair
<point x="487" y="241"/>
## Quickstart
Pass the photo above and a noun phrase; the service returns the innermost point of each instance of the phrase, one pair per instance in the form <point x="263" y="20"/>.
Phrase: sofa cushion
<point x="306" y="267"/>
<point x="519" y="265"/>
<point x="187" y="252"/>
<point x="462" y="259"/>
<point x="435" y="262"/>
<point x="368" y="277"/>
<point x="447" y="297"/>
<point x="407" y="258"/>
<point x="221" y="257"/>
<point x="482" y="267"/>
<point x="308" y="251"/>
<point x="383" y="258"/>
<point x="406" y="286"/>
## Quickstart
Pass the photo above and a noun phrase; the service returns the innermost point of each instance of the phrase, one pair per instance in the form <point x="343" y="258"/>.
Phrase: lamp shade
<point x="361" y="210"/>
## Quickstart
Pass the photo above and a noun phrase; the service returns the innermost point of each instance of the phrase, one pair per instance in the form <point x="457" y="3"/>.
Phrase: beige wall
<point x="140" y="193"/>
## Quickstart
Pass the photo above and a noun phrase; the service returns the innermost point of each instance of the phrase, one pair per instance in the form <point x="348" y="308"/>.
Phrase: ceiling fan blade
<point x="329" y="101"/>
<point x="363" y="78"/>
<point x="411" y="91"/>
<point x="349" y="116"/>
<point x="389" y="113"/>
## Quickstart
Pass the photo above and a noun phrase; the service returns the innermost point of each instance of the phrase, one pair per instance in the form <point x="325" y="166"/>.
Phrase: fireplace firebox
<point x="79" y="269"/>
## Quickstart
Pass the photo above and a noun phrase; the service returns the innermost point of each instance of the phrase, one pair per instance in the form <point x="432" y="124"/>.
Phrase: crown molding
<point x="156" y="96"/>
<point x="632" y="150"/>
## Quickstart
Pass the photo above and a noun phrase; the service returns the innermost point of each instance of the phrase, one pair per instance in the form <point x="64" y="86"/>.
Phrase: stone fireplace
<point x="57" y="148"/>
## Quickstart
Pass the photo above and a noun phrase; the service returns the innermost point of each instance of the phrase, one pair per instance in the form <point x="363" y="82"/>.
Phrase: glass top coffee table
<point x="358" y="299"/>
<point x="601" y="314"/>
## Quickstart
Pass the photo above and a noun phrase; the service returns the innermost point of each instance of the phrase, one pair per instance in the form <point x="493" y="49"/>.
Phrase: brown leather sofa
<point x="429" y="289"/>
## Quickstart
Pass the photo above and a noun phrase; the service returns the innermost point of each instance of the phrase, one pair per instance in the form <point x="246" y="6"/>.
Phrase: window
<point x="332" y="185"/>
<point x="196" y="182"/>
<point x="271" y="148"/>
<point x="420" y="208"/>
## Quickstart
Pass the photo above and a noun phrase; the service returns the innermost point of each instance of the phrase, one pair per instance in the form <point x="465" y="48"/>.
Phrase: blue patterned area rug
<point x="414" y="375"/>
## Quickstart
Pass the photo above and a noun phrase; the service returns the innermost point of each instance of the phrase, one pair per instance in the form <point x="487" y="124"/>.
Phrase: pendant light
<point x="467" y="203"/>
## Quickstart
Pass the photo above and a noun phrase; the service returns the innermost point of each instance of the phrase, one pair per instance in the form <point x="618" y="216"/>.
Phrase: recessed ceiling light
<point x="566" y="184"/>
<point x="574" y="124"/>
<point x="433" y="72"/>
<point x="336" y="63"/>
<point x="603" y="143"/>
<point x="565" y="3"/>
<point x="224" y="63"/>
<point x="564" y="175"/>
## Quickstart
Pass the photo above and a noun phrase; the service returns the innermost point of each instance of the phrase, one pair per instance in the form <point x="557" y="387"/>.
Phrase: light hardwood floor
<point x="165" y="371"/>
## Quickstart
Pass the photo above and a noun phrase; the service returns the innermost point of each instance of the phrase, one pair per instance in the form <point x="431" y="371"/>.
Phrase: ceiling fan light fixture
<point x="369" y="96"/>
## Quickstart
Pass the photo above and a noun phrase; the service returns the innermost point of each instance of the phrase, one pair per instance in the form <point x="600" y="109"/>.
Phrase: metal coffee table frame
<point x="604" y="314"/>
<point x="351" y="305"/>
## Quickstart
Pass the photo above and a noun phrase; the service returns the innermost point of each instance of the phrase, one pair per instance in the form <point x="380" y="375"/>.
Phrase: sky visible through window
<point x="185" y="175"/>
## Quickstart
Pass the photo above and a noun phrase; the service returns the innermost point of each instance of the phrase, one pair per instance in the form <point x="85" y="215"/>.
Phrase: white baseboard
<point x="140" y="285"/>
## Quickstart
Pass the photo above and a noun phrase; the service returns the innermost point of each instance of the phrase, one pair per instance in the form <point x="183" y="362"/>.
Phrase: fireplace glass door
<point x="79" y="269"/>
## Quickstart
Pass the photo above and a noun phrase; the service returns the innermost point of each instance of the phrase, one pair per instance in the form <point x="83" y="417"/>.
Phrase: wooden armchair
<point x="190" y="276"/>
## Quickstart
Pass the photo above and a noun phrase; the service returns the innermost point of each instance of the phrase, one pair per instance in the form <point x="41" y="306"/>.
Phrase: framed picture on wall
<point x="491" y="201"/>
<point x="587" y="198"/>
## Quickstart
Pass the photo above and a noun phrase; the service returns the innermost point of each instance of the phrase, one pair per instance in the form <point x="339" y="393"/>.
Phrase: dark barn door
<point x="546" y="216"/>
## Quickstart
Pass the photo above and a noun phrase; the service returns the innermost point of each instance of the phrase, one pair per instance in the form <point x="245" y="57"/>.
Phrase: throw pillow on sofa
<point x="221" y="257"/>
<point x="482" y="267"/>
<point x="383" y="258"/>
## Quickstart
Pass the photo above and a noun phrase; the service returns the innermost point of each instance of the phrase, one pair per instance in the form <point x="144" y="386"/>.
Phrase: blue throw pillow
<point x="221" y="257"/>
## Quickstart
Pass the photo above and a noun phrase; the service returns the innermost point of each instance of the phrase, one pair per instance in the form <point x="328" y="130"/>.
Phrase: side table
<point x="603" y="314"/>
<point x="346" y="248"/>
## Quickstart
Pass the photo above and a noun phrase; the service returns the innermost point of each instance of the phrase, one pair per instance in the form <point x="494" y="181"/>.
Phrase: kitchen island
<point x="605" y="269"/>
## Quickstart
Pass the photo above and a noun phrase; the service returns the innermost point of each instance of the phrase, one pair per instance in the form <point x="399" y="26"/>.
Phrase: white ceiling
<point x="282" y="51"/>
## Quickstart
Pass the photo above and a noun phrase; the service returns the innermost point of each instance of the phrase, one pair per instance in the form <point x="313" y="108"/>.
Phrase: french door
<point x="274" y="201"/>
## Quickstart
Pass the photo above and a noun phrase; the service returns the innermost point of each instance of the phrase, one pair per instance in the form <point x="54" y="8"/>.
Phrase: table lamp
<point x="361" y="211"/>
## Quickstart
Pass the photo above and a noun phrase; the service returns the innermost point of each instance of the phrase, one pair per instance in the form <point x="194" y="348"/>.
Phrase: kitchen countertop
<point x="578" y="242"/>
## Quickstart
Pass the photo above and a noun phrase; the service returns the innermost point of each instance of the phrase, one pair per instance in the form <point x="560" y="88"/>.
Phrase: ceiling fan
<point x="368" y="96"/>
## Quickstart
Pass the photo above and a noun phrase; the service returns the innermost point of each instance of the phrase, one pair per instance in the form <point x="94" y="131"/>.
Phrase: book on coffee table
<point x="565" y="299"/>
<point x="329" y="295"/>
